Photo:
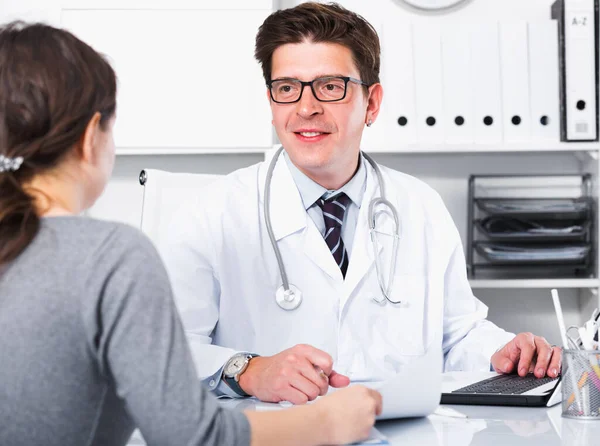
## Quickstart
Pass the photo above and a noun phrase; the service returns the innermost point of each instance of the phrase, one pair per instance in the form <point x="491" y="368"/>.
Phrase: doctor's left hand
<point x="298" y="375"/>
<point x="528" y="353"/>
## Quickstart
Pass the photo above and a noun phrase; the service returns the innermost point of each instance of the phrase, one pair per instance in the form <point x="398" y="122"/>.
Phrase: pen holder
<point x="581" y="384"/>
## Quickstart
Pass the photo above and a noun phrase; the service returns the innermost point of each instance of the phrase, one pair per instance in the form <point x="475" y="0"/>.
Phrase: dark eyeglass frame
<point x="303" y="84"/>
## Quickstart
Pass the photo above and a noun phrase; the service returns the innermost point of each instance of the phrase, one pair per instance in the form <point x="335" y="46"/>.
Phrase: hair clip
<point x="10" y="164"/>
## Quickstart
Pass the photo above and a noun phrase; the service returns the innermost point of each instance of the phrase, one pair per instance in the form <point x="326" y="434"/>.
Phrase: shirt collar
<point x="310" y="191"/>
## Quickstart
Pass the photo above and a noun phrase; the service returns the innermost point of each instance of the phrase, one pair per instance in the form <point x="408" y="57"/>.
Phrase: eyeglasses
<point x="325" y="89"/>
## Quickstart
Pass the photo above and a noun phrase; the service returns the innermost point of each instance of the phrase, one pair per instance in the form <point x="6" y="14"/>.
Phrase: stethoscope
<point x="289" y="296"/>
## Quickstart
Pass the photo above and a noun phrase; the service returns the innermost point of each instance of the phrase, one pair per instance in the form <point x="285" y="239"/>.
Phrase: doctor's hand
<point x="528" y="353"/>
<point x="293" y="375"/>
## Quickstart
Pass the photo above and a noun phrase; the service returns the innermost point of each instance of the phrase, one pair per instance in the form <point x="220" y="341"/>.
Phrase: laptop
<point x="492" y="389"/>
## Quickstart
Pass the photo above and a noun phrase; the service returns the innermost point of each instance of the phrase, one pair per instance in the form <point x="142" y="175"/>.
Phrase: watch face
<point x="235" y="365"/>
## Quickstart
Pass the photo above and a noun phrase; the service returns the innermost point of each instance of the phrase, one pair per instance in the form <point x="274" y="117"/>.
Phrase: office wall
<point x="516" y="310"/>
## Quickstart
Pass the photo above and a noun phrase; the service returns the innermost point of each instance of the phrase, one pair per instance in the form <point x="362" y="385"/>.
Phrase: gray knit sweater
<point x="91" y="346"/>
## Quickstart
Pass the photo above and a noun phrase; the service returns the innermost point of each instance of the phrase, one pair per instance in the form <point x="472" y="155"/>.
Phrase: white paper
<point x="416" y="391"/>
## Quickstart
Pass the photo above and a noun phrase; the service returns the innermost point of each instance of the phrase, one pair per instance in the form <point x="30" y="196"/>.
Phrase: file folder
<point x="515" y="82"/>
<point x="458" y="92"/>
<point x="578" y="68"/>
<point x="399" y="88"/>
<point x="485" y="69"/>
<point x="544" y="91"/>
<point x="428" y="83"/>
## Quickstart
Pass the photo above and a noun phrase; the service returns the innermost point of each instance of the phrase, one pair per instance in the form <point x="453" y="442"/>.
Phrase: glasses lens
<point x="329" y="88"/>
<point x="286" y="90"/>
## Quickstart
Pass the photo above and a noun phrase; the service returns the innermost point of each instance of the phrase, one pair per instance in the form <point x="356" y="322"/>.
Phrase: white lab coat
<point x="225" y="275"/>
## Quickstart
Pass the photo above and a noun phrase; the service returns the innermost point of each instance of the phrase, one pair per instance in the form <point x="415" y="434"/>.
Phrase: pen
<point x="559" y="317"/>
<point x="321" y="373"/>
<point x="580" y="384"/>
<point x="563" y="335"/>
<point x="595" y="380"/>
<point x="587" y="342"/>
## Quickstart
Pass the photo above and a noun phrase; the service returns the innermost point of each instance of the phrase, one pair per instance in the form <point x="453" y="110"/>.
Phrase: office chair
<point x="164" y="193"/>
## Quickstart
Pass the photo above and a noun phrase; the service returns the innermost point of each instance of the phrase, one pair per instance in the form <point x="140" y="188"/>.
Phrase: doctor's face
<point x="322" y="138"/>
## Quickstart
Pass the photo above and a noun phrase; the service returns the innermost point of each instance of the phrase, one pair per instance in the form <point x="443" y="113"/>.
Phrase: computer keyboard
<point x="506" y="385"/>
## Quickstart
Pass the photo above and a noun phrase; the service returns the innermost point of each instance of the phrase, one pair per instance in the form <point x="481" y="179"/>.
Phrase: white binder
<point x="515" y="82"/>
<point x="374" y="137"/>
<point x="485" y="77"/>
<point x="428" y="82"/>
<point x="579" y="113"/>
<point x="399" y="84"/>
<point x="458" y="92"/>
<point x="544" y="94"/>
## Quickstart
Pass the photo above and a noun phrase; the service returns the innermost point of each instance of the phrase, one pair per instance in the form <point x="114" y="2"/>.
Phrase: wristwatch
<point x="234" y="368"/>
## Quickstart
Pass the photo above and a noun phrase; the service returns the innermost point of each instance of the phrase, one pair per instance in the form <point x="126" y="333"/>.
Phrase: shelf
<point x="144" y="151"/>
<point x="418" y="149"/>
<point x="494" y="148"/>
<point x="534" y="283"/>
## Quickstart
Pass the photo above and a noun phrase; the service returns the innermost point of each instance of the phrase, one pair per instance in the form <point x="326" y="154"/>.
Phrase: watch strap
<point x="235" y="386"/>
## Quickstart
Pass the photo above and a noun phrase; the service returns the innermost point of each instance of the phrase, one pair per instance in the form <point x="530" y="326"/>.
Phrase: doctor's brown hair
<point x="320" y="23"/>
<point x="51" y="85"/>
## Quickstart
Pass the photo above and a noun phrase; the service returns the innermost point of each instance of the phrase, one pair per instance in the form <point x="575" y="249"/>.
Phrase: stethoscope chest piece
<point x="290" y="299"/>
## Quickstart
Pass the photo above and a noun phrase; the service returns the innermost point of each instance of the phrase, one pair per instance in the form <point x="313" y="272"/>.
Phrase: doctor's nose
<point x="308" y="105"/>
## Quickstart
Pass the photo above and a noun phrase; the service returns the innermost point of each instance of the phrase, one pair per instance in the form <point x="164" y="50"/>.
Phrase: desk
<point x="494" y="426"/>
<point x="485" y="425"/>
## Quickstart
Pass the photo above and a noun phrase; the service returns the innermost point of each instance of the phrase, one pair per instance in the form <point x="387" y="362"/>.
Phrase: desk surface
<point x="484" y="426"/>
<point x="494" y="426"/>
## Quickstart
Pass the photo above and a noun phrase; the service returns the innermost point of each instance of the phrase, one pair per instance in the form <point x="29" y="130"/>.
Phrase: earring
<point x="369" y="123"/>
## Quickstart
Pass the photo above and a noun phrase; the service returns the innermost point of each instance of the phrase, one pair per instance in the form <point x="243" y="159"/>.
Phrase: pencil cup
<point x="581" y="384"/>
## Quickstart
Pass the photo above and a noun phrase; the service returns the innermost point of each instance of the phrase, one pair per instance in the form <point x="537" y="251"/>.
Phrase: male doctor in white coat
<point x="321" y="64"/>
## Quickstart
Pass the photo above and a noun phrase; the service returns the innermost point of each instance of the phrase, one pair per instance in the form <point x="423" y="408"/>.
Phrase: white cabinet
<point x="187" y="76"/>
<point x="188" y="80"/>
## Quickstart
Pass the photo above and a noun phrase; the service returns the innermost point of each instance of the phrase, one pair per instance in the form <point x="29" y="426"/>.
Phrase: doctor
<point x="318" y="256"/>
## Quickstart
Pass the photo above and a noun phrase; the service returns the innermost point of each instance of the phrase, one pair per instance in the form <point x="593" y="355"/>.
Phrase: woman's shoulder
<point x="93" y="235"/>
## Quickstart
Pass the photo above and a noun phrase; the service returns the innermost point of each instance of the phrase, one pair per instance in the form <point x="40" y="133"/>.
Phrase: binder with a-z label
<point x="578" y="55"/>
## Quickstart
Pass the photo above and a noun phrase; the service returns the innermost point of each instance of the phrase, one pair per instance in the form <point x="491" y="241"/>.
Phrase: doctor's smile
<point x="311" y="135"/>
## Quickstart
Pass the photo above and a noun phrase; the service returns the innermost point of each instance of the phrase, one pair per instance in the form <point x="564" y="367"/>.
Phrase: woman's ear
<point x="89" y="140"/>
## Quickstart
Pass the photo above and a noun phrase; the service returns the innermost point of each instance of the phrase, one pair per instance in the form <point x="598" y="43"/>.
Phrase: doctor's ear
<point x="373" y="103"/>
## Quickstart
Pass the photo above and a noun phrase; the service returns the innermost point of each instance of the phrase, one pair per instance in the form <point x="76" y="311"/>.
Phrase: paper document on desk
<point x="416" y="391"/>
<point x="375" y="438"/>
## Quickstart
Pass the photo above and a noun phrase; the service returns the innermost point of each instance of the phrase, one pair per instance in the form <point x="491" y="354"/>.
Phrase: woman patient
<point x="91" y="345"/>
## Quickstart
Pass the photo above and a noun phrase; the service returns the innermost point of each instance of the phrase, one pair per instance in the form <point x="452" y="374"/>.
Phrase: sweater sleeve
<point x="141" y="349"/>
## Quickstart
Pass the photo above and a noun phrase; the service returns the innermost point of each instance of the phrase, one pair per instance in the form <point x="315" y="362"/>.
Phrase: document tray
<point x="540" y="209"/>
<point x="533" y="254"/>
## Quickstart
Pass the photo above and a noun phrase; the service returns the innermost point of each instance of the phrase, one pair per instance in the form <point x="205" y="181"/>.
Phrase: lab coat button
<point x="211" y="383"/>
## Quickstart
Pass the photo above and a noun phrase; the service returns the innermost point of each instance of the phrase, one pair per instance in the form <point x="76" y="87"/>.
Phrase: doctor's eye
<point x="330" y="87"/>
<point x="285" y="88"/>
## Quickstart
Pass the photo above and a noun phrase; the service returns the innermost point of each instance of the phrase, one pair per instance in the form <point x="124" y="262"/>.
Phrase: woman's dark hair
<point x="316" y="22"/>
<point x="51" y="85"/>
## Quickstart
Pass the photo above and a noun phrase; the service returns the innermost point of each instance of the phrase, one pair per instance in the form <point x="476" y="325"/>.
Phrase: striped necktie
<point x="334" y="210"/>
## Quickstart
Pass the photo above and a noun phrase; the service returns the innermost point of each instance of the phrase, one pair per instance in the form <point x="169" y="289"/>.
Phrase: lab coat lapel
<point x="287" y="212"/>
<point x="288" y="216"/>
<point x="318" y="252"/>
<point x="363" y="257"/>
